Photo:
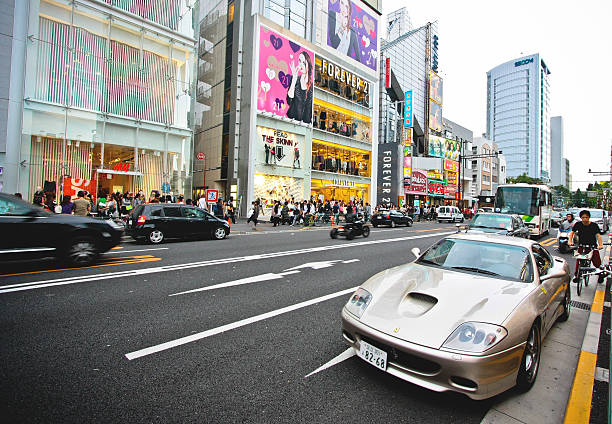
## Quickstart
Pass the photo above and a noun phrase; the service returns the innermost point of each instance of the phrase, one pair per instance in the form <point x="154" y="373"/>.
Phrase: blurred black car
<point x="498" y="223"/>
<point x="156" y="222"/>
<point x="29" y="231"/>
<point x="391" y="218"/>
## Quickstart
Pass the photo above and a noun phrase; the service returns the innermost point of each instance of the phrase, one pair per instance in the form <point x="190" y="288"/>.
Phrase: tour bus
<point x="533" y="202"/>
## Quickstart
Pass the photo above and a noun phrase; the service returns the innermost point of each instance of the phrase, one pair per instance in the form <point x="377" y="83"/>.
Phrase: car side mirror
<point x="416" y="251"/>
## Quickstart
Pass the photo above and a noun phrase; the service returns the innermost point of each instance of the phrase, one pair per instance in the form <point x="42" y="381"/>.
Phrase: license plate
<point x="373" y="355"/>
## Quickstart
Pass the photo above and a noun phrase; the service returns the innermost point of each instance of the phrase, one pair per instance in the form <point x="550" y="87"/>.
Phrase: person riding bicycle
<point x="590" y="235"/>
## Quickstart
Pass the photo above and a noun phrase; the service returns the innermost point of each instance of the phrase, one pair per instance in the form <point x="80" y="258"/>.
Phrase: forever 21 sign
<point x="390" y="176"/>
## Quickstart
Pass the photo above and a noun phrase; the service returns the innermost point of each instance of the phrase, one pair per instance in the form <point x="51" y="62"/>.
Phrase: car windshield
<point x="492" y="221"/>
<point x="486" y="258"/>
<point x="596" y="214"/>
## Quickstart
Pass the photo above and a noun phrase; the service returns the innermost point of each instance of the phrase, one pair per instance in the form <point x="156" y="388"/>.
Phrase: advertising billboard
<point x="72" y="186"/>
<point x="390" y="172"/>
<point x="435" y="116"/>
<point x="407" y="169"/>
<point x="352" y="32"/>
<point x="286" y="77"/>
<point x="408" y="109"/>
<point x="435" y="87"/>
<point x="418" y="184"/>
<point x="445" y="148"/>
<point x="451" y="165"/>
<point x="279" y="148"/>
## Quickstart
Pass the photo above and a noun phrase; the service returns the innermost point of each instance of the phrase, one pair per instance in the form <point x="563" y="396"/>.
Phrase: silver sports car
<point x="468" y="315"/>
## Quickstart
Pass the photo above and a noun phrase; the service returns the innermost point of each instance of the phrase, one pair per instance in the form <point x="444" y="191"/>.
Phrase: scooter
<point x="350" y="230"/>
<point x="562" y="240"/>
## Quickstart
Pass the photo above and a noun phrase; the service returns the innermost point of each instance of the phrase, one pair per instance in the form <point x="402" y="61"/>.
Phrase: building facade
<point x="558" y="171"/>
<point x="487" y="172"/>
<point x="107" y="95"/>
<point x="518" y="115"/>
<point x="298" y="115"/>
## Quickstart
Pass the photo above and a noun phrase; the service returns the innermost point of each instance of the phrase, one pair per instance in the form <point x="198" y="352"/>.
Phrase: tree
<point x="523" y="179"/>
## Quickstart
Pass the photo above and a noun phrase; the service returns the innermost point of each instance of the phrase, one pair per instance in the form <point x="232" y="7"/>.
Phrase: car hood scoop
<point x="416" y="304"/>
<point x="424" y="305"/>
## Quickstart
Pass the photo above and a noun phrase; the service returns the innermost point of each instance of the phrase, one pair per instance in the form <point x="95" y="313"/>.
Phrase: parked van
<point x="450" y="214"/>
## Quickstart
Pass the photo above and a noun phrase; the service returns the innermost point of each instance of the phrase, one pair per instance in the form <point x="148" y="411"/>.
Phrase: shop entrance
<point x="111" y="181"/>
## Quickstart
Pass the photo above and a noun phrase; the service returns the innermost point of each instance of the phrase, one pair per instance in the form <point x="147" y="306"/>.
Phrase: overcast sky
<point x="573" y="38"/>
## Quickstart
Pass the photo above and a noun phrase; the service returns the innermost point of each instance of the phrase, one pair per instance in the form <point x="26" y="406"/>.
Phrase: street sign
<point x="591" y="193"/>
<point x="212" y="195"/>
<point x="200" y="156"/>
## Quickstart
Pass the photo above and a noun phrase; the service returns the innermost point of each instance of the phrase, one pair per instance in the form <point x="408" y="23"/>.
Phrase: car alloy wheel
<point x="392" y="224"/>
<point x="410" y="223"/>
<point x="219" y="233"/>
<point x="156" y="236"/>
<point x="531" y="360"/>
<point x="82" y="252"/>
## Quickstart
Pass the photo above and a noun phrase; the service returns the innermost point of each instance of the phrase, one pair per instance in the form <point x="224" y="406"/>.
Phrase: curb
<point x="578" y="409"/>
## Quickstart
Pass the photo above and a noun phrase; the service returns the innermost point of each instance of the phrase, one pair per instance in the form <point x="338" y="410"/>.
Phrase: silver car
<point x="469" y="315"/>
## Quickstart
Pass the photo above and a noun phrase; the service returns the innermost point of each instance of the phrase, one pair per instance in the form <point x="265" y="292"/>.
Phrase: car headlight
<point x="475" y="337"/>
<point x="114" y="224"/>
<point x="358" y="303"/>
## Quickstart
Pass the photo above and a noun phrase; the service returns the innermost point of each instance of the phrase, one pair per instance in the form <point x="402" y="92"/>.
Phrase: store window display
<point x="329" y="158"/>
<point x="340" y="123"/>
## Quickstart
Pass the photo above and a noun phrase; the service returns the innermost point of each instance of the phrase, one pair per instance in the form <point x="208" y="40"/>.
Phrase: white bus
<point x="533" y="202"/>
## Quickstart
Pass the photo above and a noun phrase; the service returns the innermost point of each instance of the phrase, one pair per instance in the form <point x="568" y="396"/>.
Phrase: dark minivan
<point x="157" y="221"/>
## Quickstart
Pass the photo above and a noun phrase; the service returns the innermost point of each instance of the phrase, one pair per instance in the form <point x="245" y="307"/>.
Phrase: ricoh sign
<point x="390" y="172"/>
<point x="523" y="62"/>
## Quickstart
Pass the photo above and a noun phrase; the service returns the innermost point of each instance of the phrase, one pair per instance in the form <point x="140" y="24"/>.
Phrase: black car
<point x="391" y="218"/>
<point x="156" y="222"/>
<point x="499" y="223"/>
<point x="28" y="231"/>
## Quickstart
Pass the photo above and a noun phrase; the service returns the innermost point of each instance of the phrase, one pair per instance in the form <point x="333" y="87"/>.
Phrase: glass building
<point x="107" y="96"/>
<point x="518" y="115"/>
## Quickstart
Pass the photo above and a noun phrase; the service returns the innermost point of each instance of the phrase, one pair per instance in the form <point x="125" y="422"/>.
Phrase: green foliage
<point x="523" y="179"/>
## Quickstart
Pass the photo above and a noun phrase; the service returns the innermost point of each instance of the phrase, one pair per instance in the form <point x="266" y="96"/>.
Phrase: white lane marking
<point x="114" y="252"/>
<point x="348" y="353"/>
<point x="316" y="265"/>
<point x="179" y="267"/>
<point x="248" y="280"/>
<point x="350" y="261"/>
<point x="214" y="331"/>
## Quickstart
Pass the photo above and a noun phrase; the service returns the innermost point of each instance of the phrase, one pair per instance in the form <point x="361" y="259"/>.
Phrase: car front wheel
<point x="156" y="236"/>
<point x="531" y="360"/>
<point x="566" y="305"/>
<point x="81" y="252"/>
<point x="219" y="233"/>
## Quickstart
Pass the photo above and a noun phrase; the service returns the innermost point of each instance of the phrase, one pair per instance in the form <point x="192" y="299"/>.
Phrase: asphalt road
<point x="209" y="332"/>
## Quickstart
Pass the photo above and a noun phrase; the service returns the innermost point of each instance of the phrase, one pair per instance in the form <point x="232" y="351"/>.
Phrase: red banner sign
<point x="72" y="186"/>
<point x="388" y="72"/>
<point x="435" y="188"/>
<point x="418" y="183"/>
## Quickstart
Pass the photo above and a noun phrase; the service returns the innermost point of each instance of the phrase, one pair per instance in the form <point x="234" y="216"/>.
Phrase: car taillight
<point x="388" y="216"/>
<point x="141" y="220"/>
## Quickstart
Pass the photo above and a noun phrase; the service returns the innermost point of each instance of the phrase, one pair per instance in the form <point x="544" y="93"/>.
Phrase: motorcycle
<point x="350" y="230"/>
<point x="562" y="240"/>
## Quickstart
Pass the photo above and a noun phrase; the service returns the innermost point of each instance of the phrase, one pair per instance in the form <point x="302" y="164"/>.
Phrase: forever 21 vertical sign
<point x="390" y="176"/>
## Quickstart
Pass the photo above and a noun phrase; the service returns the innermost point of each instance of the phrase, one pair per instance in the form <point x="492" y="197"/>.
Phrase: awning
<point x="112" y="171"/>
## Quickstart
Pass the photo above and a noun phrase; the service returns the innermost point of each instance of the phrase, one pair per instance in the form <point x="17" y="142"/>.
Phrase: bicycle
<point x="309" y="220"/>
<point x="583" y="254"/>
<point x="603" y="271"/>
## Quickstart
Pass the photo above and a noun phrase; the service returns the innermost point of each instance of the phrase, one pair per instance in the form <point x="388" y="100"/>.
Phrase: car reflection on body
<point x="468" y="315"/>
<point x="497" y="223"/>
<point x="391" y="218"/>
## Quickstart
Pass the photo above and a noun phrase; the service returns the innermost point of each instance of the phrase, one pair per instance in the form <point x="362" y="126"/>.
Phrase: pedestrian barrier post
<point x="229" y="221"/>
<point x="333" y="222"/>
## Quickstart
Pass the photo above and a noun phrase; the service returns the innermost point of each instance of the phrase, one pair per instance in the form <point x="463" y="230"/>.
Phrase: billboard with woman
<point x="286" y="77"/>
<point x="352" y="32"/>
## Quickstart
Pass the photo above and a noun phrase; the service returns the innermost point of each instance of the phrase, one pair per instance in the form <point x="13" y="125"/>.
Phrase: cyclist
<point x="590" y="235"/>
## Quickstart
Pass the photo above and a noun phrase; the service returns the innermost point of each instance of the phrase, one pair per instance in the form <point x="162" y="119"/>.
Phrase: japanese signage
<point x="451" y="165"/>
<point x="72" y="186"/>
<point x="452" y="178"/>
<point x="286" y="77"/>
<point x="342" y="75"/>
<point x="435" y="174"/>
<point x="407" y="168"/>
<point x="278" y="148"/>
<point x="435" y="187"/>
<point x="352" y="32"/>
<point x="408" y="109"/>
<point x="418" y="183"/>
<point x="408" y="138"/>
<point x="388" y="72"/>
<point x="389" y="172"/>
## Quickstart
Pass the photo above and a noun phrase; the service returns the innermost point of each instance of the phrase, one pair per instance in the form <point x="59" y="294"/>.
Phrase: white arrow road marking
<point x="348" y="353"/>
<point x="180" y="267"/>
<point x="248" y="280"/>
<point x="316" y="265"/>
<point x="227" y="327"/>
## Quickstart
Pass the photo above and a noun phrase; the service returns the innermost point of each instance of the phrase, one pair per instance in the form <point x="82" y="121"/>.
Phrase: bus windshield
<point x="519" y="200"/>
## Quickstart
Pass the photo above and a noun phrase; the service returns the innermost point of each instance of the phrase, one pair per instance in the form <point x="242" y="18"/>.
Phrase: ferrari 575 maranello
<point x="468" y="315"/>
